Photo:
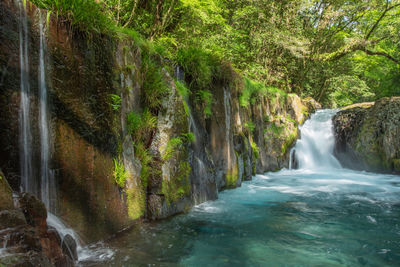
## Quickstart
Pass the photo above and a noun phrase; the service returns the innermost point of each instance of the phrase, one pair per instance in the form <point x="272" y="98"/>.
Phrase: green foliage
<point x="154" y="86"/>
<point x="346" y="90"/>
<point x="145" y="158"/>
<point x="253" y="91"/>
<point x="206" y="98"/>
<point x="177" y="144"/>
<point x="249" y="126"/>
<point x="299" y="46"/>
<point x="115" y="101"/>
<point x="140" y="125"/>
<point x="200" y="66"/>
<point x="188" y="137"/>
<point x="86" y="15"/>
<point x="184" y="93"/>
<point x="173" y="145"/>
<point x="120" y="174"/>
<point x="276" y="130"/>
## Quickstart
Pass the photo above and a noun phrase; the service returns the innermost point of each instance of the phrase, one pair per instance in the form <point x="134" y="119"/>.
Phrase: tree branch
<point x="132" y="13"/>
<point x="379" y="20"/>
<point x="372" y="53"/>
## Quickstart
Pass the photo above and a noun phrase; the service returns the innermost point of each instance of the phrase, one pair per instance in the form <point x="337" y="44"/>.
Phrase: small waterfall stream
<point x="314" y="149"/>
<point x="47" y="188"/>
<point x="25" y="105"/>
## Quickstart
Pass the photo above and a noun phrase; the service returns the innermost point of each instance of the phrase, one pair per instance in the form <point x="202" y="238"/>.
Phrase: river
<point x="317" y="215"/>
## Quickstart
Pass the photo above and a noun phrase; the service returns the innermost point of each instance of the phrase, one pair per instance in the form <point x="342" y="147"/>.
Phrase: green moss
<point x="136" y="202"/>
<point x="179" y="185"/>
<point x="256" y="155"/>
<point x="232" y="175"/>
<point x="289" y="142"/>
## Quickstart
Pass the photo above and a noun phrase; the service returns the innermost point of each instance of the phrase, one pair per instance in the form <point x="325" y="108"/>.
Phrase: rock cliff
<point x="368" y="136"/>
<point x="121" y="150"/>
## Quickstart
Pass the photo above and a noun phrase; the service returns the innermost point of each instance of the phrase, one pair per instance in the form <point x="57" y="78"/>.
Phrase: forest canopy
<point x="336" y="51"/>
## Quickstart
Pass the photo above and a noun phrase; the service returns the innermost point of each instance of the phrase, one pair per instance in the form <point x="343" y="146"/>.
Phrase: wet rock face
<point x="24" y="236"/>
<point x="368" y="136"/>
<point x="6" y="201"/>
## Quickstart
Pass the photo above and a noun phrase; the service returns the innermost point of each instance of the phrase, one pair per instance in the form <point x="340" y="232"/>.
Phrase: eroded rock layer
<point x="368" y="136"/>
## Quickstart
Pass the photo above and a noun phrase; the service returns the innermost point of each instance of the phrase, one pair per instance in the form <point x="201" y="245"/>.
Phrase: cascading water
<point x="47" y="182"/>
<point x="25" y="124"/>
<point x="47" y="190"/>
<point x="314" y="149"/>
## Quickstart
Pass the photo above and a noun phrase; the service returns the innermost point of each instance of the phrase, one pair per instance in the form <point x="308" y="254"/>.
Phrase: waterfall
<point x="314" y="150"/>
<point x="25" y="124"/>
<point x="47" y="184"/>
<point x="48" y="189"/>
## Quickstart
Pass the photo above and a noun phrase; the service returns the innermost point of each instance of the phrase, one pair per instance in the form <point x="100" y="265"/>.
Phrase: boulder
<point x="34" y="210"/>
<point x="11" y="218"/>
<point x="367" y="136"/>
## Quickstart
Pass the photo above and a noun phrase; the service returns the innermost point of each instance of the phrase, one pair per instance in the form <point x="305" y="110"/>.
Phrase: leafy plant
<point x="173" y="145"/>
<point x="140" y="125"/>
<point x="249" y="126"/>
<point x="154" y="86"/>
<point x="120" y="174"/>
<point x="206" y="98"/>
<point x="115" y="101"/>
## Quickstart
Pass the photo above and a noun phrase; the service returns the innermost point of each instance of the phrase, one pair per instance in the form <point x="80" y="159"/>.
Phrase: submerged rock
<point x="368" y="136"/>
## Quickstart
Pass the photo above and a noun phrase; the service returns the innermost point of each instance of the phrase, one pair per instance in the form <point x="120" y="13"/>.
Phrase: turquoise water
<point x="289" y="218"/>
<point x="319" y="215"/>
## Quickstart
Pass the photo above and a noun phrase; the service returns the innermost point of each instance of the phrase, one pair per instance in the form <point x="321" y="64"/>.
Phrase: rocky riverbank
<point x="25" y="238"/>
<point x="368" y="136"/>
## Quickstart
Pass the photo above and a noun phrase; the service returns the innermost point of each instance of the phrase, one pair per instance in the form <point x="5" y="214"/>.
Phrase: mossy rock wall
<point x="368" y="136"/>
<point x="85" y="132"/>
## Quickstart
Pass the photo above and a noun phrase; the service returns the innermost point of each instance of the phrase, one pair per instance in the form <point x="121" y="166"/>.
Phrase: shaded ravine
<point x="307" y="217"/>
